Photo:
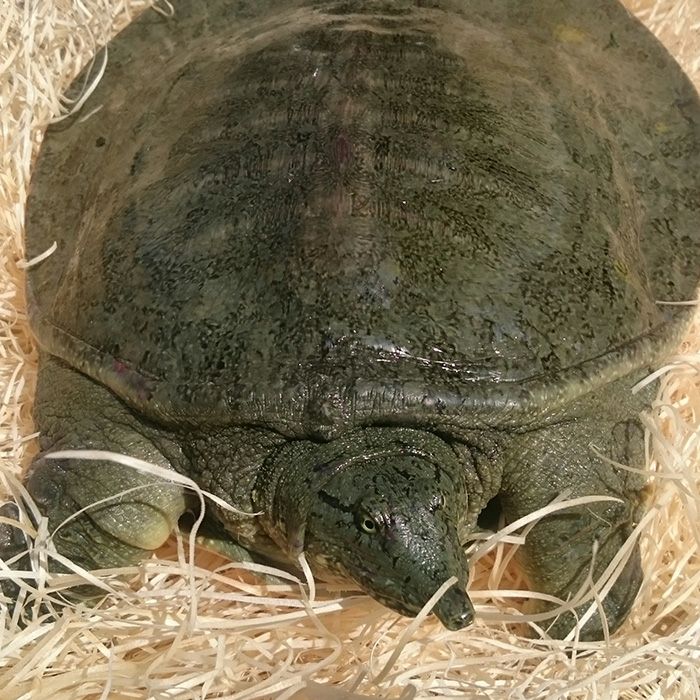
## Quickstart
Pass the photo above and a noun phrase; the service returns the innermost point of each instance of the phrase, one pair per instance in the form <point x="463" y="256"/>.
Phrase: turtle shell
<point x="314" y="215"/>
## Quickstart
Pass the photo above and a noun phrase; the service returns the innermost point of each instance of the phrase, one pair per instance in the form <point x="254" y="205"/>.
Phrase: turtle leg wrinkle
<point x="123" y="513"/>
<point x="213" y="536"/>
<point x="568" y="554"/>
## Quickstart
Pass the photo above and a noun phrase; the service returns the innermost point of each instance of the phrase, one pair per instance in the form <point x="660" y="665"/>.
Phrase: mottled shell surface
<point x="314" y="215"/>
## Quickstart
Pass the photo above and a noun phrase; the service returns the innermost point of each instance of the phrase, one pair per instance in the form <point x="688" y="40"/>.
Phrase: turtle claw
<point x="12" y="543"/>
<point x="11" y="538"/>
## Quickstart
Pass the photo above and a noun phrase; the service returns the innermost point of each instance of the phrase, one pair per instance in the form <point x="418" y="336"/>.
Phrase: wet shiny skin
<point x="366" y="258"/>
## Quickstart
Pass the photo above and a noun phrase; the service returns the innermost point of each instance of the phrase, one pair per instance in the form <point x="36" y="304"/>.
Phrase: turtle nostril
<point x="461" y="620"/>
<point x="455" y="610"/>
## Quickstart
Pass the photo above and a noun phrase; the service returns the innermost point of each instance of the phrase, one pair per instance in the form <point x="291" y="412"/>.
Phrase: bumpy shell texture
<point x="316" y="215"/>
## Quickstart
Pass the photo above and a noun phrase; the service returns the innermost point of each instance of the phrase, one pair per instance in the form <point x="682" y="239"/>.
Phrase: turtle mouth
<point x="382" y="591"/>
<point x="403" y="606"/>
<point x="366" y="581"/>
<point x="370" y="584"/>
<point x="454" y="608"/>
<point x="407" y="604"/>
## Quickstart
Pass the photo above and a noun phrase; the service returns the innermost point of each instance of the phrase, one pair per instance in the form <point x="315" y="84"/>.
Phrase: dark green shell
<point x="312" y="215"/>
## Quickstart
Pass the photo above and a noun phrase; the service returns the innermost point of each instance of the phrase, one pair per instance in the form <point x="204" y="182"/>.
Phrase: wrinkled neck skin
<point x="381" y="507"/>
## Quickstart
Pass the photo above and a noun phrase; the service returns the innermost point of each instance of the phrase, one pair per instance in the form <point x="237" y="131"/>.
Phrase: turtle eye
<point x="367" y="523"/>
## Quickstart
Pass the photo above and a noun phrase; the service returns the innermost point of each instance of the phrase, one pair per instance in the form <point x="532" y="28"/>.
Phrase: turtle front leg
<point x="126" y="513"/>
<point x="567" y="550"/>
<point x="215" y="538"/>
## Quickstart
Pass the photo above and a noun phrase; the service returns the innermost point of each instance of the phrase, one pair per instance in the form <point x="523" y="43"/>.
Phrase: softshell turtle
<point x="363" y="266"/>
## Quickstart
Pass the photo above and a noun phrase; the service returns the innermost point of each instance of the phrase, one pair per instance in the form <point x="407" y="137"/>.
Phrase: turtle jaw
<point x="454" y="608"/>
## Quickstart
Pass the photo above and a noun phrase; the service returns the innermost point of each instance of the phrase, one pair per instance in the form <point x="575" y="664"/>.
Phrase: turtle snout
<point x="454" y="609"/>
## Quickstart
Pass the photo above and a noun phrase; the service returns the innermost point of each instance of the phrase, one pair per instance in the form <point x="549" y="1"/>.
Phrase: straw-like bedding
<point x="207" y="629"/>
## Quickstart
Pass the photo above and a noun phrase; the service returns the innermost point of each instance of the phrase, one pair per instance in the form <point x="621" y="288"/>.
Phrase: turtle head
<point x="389" y="522"/>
